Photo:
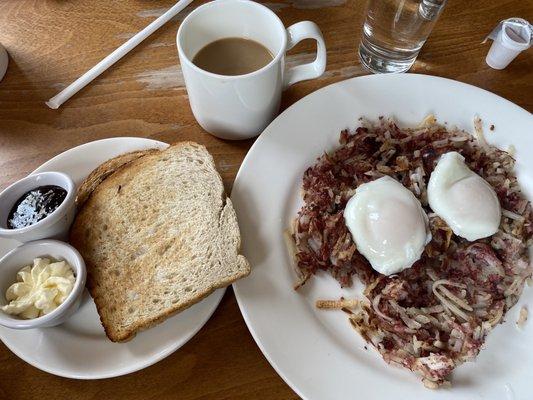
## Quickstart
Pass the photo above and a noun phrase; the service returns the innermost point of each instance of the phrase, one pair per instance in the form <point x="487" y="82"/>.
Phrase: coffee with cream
<point x="232" y="56"/>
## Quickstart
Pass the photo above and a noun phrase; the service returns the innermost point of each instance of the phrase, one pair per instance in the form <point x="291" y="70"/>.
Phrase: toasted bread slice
<point x="158" y="235"/>
<point x="103" y="171"/>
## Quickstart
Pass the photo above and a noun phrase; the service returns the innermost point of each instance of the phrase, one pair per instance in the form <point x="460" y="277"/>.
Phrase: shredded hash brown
<point x="435" y="315"/>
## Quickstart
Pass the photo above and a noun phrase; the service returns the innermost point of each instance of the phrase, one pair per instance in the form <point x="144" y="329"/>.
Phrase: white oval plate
<point x="317" y="352"/>
<point x="79" y="348"/>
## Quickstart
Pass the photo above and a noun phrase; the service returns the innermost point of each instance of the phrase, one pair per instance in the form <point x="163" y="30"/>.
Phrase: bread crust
<point x="99" y="174"/>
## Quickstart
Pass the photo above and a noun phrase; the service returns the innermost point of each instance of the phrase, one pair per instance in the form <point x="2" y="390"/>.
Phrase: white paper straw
<point x="56" y="101"/>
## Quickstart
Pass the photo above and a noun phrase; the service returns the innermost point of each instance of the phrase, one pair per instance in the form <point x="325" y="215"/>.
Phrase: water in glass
<point x="394" y="32"/>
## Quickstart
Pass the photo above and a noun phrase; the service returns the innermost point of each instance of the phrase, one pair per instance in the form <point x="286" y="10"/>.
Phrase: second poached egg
<point x="463" y="199"/>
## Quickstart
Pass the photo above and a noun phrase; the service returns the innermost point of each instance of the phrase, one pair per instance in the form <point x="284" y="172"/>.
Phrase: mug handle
<point x="295" y="34"/>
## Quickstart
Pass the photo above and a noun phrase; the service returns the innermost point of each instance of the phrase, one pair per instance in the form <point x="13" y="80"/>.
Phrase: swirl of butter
<point x="39" y="289"/>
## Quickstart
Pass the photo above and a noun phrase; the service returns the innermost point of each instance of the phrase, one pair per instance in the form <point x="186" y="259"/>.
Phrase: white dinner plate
<point x="79" y="348"/>
<point x="317" y="352"/>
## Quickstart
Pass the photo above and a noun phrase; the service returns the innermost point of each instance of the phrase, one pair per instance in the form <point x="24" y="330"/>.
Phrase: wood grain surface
<point x="52" y="42"/>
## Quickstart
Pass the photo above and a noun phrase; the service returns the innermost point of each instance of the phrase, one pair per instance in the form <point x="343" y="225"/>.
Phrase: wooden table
<point x="51" y="42"/>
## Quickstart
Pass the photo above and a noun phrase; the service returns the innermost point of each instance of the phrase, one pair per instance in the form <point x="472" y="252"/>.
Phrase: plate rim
<point x="264" y="136"/>
<point x="158" y="356"/>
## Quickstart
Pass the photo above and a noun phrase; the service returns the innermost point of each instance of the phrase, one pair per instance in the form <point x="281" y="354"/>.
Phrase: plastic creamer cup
<point x="510" y="37"/>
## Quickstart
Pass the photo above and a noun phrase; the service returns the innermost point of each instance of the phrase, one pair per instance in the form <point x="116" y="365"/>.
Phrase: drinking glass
<point x="394" y="32"/>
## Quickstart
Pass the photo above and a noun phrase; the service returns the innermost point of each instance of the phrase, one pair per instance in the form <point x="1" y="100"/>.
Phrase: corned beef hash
<point x="433" y="222"/>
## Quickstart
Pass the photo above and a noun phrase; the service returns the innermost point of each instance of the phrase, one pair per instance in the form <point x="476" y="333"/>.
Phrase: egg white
<point x="388" y="225"/>
<point x="463" y="199"/>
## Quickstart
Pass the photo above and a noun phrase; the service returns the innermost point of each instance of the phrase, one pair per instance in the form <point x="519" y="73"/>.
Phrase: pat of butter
<point x="39" y="289"/>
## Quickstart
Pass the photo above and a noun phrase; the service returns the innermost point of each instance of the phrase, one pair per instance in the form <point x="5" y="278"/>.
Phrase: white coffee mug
<point x="241" y="106"/>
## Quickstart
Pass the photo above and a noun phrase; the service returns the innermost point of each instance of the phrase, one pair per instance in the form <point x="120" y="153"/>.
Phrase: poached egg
<point x="388" y="225"/>
<point x="463" y="199"/>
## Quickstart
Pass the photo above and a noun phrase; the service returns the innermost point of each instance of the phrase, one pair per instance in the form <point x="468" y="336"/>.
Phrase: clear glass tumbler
<point x="394" y="32"/>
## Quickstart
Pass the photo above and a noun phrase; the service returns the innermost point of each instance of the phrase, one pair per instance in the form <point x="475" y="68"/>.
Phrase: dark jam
<point x="35" y="205"/>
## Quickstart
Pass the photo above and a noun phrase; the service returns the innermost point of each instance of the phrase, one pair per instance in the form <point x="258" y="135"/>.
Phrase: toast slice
<point x="158" y="235"/>
<point x="103" y="171"/>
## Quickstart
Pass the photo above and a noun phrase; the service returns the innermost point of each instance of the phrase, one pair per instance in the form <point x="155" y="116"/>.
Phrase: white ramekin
<point x="23" y="255"/>
<point x="55" y="225"/>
